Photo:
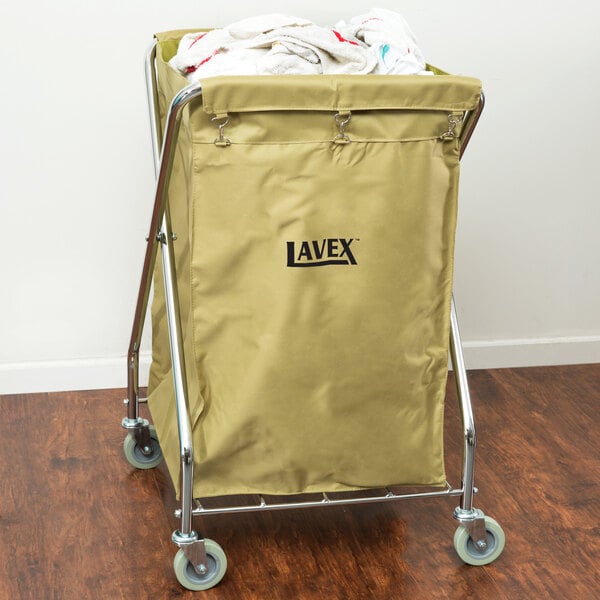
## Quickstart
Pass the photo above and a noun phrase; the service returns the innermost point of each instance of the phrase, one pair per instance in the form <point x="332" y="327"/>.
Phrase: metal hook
<point x="454" y="120"/>
<point x="221" y="121"/>
<point x="342" y="119"/>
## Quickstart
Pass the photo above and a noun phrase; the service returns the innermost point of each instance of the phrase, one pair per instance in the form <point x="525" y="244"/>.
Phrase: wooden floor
<point x="76" y="521"/>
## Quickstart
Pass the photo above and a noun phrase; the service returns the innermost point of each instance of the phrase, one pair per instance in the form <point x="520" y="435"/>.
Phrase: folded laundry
<point x="276" y="44"/>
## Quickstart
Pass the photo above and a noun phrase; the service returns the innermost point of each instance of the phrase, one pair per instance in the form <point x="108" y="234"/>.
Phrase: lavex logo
<point x="318" y="253"/>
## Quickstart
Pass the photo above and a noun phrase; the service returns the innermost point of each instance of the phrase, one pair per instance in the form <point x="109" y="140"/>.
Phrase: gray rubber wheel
<point x="470" y="553"/>
<point x="216" y="563"/>
<point x="135" y="456"/>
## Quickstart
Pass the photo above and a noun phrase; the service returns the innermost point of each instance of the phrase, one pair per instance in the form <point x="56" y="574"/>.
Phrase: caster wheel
<point x="216" y="563"/>
<point x="468" y="550"/>
<point x="135" y="456"/>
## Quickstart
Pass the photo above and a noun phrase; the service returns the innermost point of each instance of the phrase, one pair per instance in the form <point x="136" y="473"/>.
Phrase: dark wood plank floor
<point x="77" y="522"/>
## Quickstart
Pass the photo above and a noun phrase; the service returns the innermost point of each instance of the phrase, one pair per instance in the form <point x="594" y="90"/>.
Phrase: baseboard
<point x="532" y="352"/>
<point x="65" y="375"/>
<point x="103" y="373"/>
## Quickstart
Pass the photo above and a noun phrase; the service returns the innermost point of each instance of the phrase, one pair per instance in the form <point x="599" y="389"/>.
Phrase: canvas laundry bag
<point x="314" y="278"/>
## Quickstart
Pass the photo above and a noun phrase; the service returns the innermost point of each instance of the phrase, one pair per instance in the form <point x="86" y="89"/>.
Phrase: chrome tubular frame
<point x="132" y="422"/>
<point x="470" y="122"/>
<point x="326" y="500"/>
<point x="466" y="411"/>
<point x="152" y="92"/>
<point x="161" y="234"/>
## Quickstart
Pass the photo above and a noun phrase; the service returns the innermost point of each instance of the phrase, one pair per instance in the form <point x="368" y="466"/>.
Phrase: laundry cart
<point x="302" y="312"/>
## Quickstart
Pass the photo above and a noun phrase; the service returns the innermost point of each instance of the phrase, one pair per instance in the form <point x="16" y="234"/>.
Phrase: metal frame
<point x="160" y="235"/>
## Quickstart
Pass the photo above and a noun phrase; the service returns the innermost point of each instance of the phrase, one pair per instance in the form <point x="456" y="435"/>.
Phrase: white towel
<point x="254" y="26"/>
<point x="390" y="39"/>
<point x="272" y="44"/>
<point x="311" y="49"/>
<point x="211" y="53"/>
<point x="379" y="42"/>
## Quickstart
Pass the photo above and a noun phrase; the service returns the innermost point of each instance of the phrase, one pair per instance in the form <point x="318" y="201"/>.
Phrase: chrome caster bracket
<point x="194" y="549"/>
<point x="140" y="428"/>
<point x="474" y="522"/>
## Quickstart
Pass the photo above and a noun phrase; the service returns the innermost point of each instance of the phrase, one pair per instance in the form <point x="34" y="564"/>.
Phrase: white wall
<point x="76" y="177"/>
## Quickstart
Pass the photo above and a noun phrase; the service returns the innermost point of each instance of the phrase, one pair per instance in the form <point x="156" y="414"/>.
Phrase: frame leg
<point x="466" y="410"/>
<point x="133" y="422"/>
<point x="468" y="516"/>
<point x="186" y="538"/>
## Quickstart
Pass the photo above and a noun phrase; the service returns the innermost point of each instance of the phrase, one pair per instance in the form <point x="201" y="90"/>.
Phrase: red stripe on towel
<point x="202" y="62"/>
<point x="197" y="39"/>
<point x="341" y="38"/>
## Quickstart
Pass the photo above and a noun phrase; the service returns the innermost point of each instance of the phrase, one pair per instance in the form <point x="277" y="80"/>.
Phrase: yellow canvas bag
<point x="314" y="259"/>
